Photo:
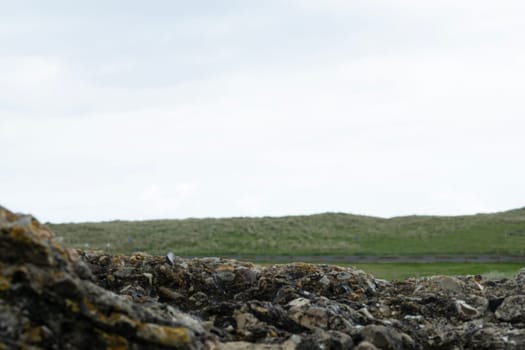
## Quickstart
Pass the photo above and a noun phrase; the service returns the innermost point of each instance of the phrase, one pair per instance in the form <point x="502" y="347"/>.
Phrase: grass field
<point x="401" y="271"/>
<point x="321" y="235"/>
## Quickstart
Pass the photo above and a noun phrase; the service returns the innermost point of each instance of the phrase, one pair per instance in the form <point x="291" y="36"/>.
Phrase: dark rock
<point x="494" y="303"/>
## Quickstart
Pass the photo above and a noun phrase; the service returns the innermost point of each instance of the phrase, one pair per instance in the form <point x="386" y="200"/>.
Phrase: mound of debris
<point x="57" y="298"/>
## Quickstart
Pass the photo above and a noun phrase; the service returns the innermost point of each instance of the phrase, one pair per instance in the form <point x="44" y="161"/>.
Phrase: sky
<point x="140" y="110"/>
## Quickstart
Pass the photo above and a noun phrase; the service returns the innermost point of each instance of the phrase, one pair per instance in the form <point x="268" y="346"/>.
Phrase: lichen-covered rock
<point x="46" y="303"/>
<point x="57" y="298"/>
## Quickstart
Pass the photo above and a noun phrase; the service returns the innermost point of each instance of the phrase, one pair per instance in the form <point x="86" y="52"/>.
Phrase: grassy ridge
<point x="322" y="234"/>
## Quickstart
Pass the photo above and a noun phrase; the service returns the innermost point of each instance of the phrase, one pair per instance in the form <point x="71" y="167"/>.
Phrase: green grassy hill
<point x="322" y="234"/>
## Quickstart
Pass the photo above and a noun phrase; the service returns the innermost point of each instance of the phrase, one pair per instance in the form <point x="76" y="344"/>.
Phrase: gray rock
<point x="387" y="338"/>
<point x="364" y="345"/>
<point x="225" y="276"/>
<point x="492" y="337"/>
<point x="325" y="280"/>
<point x="465" y="310"/>
<point x="512" y="309"/>
<point x="124" y="272"/>
<point x="321" y="339"/>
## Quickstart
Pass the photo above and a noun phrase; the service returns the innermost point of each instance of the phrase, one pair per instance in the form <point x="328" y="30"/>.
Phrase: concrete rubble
<point x="52" y="297"/>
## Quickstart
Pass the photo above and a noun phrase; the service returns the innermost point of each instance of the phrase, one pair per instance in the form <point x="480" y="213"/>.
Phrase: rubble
<point x="57" y="298"/>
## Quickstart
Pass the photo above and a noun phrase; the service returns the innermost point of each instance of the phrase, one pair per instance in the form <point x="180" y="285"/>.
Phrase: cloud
<point x="377" y="107"/>
<point x="30" y="80"/>
<point x="165" y="201"/>
<point x="251" y="205"/>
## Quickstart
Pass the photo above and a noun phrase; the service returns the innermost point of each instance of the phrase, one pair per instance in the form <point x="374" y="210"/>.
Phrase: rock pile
<point x="57" y="298"/>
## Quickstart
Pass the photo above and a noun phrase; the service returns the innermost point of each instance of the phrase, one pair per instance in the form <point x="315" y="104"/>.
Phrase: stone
<point x="170" y="258"/>
<point x="387" y="338"/>
<point x="512" y="309"/>
<point x="364" y="345"/>
<point x="466" y="310"/>
<point x="321" y="339"/>
<point x="225" y="276"/>
<point x="439" y="283"/>
<point x="324" y="280"/>
<point x="492" y="337"/>
<point x="124" y="272"/>
<point x="310" y="317"/>
<point x="45" y="303"/>
<point x="448" y="283"/>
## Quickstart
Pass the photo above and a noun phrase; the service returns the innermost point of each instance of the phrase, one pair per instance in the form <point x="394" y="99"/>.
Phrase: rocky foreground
<point x="57" y="298"/>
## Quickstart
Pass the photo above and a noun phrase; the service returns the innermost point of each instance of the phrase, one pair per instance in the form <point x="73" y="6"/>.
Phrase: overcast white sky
<point x="173" y="109"/>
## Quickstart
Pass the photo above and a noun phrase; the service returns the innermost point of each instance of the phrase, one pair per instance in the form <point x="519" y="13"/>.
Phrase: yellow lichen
<point x="10" y="216"/>
<point x="62" y="251"/>
<point x="117" y="260"/>
<point x="35" y="223"/>
<point x="5" y="283"/>
<point x="305" y="267"/>
<point x="72" y="305"/>
<point x="164" y="335"/>
<point x="113" y="341"/>
<point x="137" y="257"/>
<point x="32" y="335"/>
<point x="57" y="275"/>
<point x="18" y="233"/>
<point x="113" y="319"/>
<point x="118" y="318"/>
<point x="92" y="310"/>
